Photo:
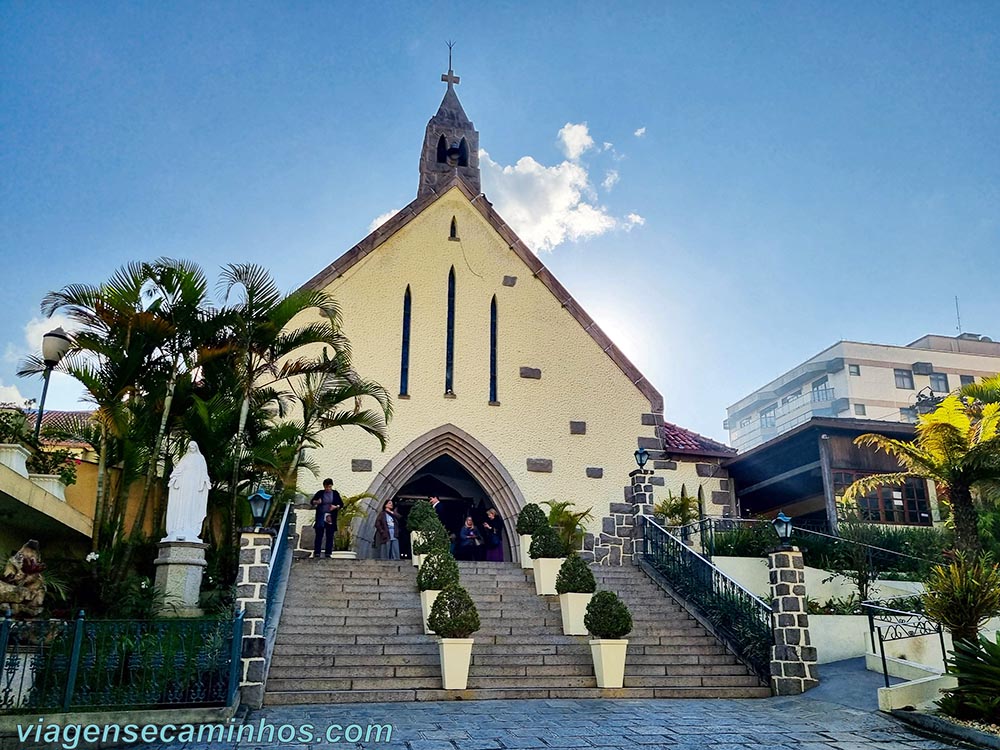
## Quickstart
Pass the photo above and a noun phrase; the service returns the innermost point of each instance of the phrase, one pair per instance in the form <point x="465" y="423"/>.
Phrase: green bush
<point x="575" y="577"/>
<point x="848" y="605"/>
<point x="545" y="542"/>
<point x="419" y="515"/>
<point x="607" y="616"/>
<point x="976" y="665"/>
<point x="963" y="595"/>
<point x="435" y="538"/>
<point x="745" y="540"/>
<point x="568" y="522"/>
<point x="530" y="518"/>
<point x="437" y="572"/>
<point x="60" y="462"/>
<point x="454" y="614"/>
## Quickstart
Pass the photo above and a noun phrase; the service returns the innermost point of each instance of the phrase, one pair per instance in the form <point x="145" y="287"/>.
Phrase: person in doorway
<point x="439" y="509"/>
<point x="387" y="526"/>
<point x="469" y="540"/>
<point x="326" y="502"/>
<point x="493" y="536"/>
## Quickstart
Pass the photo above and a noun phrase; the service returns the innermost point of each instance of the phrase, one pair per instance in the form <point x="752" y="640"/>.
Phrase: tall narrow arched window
<point x="442" y="151"/>
<point x="463" y="153"/>
<point x="453" y="232"/>
<point x="404" y="360"/>
<point x="493" y="350"/>
<point x="449" y="352"/>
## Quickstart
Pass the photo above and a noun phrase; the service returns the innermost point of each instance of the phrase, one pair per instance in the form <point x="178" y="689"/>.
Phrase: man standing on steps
<point x="326" y="502"/>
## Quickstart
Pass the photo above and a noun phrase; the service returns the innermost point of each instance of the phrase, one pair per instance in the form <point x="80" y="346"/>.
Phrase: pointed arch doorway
<point x="446" y="459"/>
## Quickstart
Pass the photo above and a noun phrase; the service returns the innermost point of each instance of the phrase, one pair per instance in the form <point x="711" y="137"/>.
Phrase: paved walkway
<point x="838" y="715"/>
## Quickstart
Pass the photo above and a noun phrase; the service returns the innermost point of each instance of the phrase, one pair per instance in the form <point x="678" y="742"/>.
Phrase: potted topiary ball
<point x="419" y="515"/>
<point x="454" y="618"/>
<point x="609" y="621"/>
<point x="434" y="537"/>
<point x="575" y="585"/>
<point x="438" y="571"/>
<point x="529" y="519"/>
<point x="548" y="551"/>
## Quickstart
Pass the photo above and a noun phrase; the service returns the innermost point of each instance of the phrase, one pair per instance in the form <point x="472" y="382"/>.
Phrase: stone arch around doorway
<point x="476" y="458"/>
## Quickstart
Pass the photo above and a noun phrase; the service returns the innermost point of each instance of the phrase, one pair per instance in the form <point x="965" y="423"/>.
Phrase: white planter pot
<point x="426" y="602"/>
<point x="418" y="560"/>
<point x="344" y="555"/>
<point x="456" y="653"/>
<point x="546" y="569"/>
<point x="51" y="483"/>
<point x="609" y="661"/>
<point x="574" y="608"/>
<point x="526" y="561"/>
<point x="415" y="536"/>
<point x="15" y="456"/>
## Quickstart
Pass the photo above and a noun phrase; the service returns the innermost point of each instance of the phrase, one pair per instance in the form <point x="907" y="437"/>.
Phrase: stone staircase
<point x="351" y="632"/>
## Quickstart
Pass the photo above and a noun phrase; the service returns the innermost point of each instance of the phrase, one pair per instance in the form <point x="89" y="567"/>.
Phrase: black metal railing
<point x="897" y="619"/>
<point x="277" y="570"/>
<point x="86" y="665"/>
<point x="738" y="617"/>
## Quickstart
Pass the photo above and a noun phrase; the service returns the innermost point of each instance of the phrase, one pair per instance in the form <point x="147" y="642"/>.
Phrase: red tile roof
<point x="59" y="419"/>
<point x="679" y="440"/>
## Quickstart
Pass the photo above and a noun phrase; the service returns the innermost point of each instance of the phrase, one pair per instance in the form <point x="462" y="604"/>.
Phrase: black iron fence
<point x="740" y="619"/>
<point x="82" y="665"/>
<point x="898" y="619"/>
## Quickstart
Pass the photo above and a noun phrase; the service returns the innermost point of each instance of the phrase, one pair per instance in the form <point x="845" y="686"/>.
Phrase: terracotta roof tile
<point x="680" y="440"/>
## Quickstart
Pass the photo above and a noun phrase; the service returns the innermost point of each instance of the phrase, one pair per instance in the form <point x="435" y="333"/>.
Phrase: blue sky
<point x="780" y="175"/>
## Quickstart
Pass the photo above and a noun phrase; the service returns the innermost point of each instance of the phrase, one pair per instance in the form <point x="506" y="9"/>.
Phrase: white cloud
<point x="611" y="178"/>
<point x="34" y="329"/>
<point x="608" y="145"/>
<point x="382" y="219"/>
<point x="575" y="140"/>
<point x="640" y="132"/>
<point x="9" y="394"/>
<point x="633" y="220"/>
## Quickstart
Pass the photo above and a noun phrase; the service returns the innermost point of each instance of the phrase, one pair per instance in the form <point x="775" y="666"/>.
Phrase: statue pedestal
<point x="179" y="568"/>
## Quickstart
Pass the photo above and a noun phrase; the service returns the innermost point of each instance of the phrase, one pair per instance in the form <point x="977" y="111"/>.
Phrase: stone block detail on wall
<point x="668" y="465"/>
<point x="657" y="481"/>
<point x="577" y="428"/>
<point x="707" y="470"/>
<point x="621" y="539"/>
<point x="532" y="373"/>
<point x="595" y="472"/>
<point x="649" y="443"/>
<point x="720" y="498"/>
<point x="793" y="657"/>
<point x="251" y="589"/>
<point x="651" y="420"/>
<point x="543" y="465"/>
<point x="509" y="280"/>
<point x="361" y="464"/>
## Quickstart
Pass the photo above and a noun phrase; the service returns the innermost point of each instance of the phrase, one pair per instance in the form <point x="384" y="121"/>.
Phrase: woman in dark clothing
<point x="387" y="532"/>
<point x="469" y="539"/>
<point x="493" y="536"/>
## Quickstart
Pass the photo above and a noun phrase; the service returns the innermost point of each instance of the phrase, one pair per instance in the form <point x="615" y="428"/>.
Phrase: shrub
<point x="530" y="518"/>
<point x="745" y="540"/>
<point x="976" y="665"/>
<point x="678" y="511"/>
<point x="438" y="572"/>
<point x="963" y="595"/>
<point x="568" y="523"/>
<point x="454" y="614"/>
<point x="848" y="605"/>
<point x="435" y="538"/>
<point x="420" y="514"/>
<point x="16" y="425"/>
<point x="607" y="616"/>
<point x="575" y="577"/>
<point x="545" y="542"/>
<point x="59" y="462"/>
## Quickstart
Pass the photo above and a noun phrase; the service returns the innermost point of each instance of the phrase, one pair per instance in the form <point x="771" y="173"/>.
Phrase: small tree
<point x="545" y="542"/>
<point x="963" y="595"/>
<point x="530" y="518"/>
<point x="568" y="523"/>
<point x="677" y="511"/>
<point x="420" y="514"/>
<point x="454" y="614"/>
<point x="607" y="616"/>
<point x="438" y="572"/>
<point x="435" y="538"/>
<point x="575" y="577"/>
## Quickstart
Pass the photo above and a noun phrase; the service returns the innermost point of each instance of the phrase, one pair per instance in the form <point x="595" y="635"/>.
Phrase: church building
<point x="505" y="390"/>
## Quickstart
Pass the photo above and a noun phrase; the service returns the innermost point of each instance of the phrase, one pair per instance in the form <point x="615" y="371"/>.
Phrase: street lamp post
<point x="55" y="344"/>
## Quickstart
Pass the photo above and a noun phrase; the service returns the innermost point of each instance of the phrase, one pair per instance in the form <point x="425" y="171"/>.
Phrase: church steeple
<point x="451" y="143"/>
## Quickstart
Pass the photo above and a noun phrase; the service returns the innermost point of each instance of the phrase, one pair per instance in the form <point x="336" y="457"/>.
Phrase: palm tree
<point x="986" y="391"/>
<point x="954" y="447"/>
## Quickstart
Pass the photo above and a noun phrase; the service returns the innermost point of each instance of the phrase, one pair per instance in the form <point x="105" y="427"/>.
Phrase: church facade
<point x="505" y="390"/>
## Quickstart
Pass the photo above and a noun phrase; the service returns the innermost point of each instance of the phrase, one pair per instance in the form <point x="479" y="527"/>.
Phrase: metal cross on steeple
<point x="450" y="78"/>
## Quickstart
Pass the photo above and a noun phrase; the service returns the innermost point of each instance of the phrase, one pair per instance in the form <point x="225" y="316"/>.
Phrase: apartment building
<point x="862" y="381"/>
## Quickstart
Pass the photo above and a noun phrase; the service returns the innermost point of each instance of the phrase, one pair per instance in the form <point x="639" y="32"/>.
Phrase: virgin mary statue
<point x="187" y="501"/>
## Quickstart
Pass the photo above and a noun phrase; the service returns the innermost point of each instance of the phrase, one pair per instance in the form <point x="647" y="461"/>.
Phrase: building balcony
<point x="796" y="410"/>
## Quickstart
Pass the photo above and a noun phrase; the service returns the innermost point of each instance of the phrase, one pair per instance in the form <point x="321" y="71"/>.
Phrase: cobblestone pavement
<point x="769" y="724"/>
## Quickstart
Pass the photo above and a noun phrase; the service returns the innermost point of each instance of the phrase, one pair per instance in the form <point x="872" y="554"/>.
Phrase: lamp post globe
<point x="641" y="457"/>
<point x="260" y="506"/>
<point x="55" y="345"/>
<point x="783" y="527"/>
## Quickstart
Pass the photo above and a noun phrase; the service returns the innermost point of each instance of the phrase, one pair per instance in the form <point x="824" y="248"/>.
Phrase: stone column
<point x="251" y="598"/>
<point x="179" y="569"/>
<point x="642" y="505"/>
<point x="793" y="657"/>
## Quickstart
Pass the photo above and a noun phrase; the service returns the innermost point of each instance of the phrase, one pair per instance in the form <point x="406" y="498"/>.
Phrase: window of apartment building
<point x="854" y="369"/>
<point x="860" y="410"/>
<point x="767" y="416"/>
<point x="901" y="504"/>
<point x="795" y="395"/>
<point x="904" y="379"/>
<point x="965" y="380"/>
<point x="939" y="382"/>
<point x="907" y="414"/>
<point x="746" y="422"/>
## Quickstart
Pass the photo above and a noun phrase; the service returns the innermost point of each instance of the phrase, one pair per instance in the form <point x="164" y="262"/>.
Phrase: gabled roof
<point x="538" y="269"/>
<point x="680" y="440"/>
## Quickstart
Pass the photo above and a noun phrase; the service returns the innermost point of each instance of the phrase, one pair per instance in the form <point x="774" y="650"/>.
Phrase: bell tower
<point x="451" y="143"/>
